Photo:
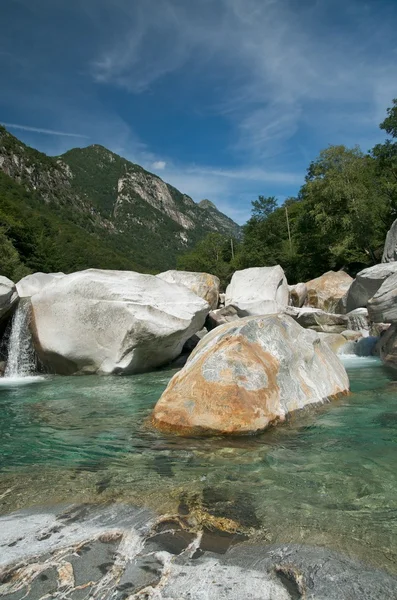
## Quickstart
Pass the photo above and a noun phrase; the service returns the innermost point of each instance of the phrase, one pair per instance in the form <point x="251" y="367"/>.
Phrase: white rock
<point x="382" y="308"/>
<point x="298" y="294"/>
<point x="32" y="284"/>
<point x="98" y="321"/>
<point x="390" y="249"/>
<point x="8" y="296"/>
<point x="367" y="283"/>
<point x="204" y="285"/>
<point x="258" y="291"/>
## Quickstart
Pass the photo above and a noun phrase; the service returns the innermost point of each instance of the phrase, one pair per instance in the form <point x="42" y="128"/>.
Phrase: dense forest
<point x="338" y="220"/>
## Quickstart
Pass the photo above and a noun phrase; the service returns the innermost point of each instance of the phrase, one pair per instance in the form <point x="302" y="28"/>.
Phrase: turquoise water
<point x="328" y="476"/>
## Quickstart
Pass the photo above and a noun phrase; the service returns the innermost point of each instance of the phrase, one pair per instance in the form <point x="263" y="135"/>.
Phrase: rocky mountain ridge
<point x="116" y="201"/>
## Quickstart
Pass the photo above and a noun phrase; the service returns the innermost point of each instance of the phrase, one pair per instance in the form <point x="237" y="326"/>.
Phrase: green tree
<point x="214" y="254"/>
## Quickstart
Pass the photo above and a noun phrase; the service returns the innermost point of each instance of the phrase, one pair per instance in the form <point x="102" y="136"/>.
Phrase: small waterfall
<point x="21" y="359"/>
<point x="358" y="320"/>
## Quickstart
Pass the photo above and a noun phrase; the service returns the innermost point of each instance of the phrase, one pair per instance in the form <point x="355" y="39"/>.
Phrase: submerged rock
<point x="258" y="291"/>
<point x="247" y="375"/>
<point x="35" y="283"/>
<point x="98" y="321"/>
<point x="204" y="285"/>
<point x="119" y="552"/>
<point x="326" y="291"/>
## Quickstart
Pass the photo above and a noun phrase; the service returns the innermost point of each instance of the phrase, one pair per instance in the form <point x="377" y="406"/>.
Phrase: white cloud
<point x="159" y="165"/>
<point x="45" y="131"/>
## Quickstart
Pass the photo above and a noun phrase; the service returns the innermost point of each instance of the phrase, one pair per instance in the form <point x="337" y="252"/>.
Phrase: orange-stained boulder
<point x="325" y="292"/>
<point x="249" y="374"/>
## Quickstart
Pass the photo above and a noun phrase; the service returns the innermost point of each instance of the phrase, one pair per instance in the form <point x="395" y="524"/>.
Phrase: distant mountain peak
<point x="207" y="204"/>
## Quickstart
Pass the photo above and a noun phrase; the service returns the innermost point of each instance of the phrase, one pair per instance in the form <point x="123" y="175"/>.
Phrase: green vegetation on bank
<point x="338" y="220"/>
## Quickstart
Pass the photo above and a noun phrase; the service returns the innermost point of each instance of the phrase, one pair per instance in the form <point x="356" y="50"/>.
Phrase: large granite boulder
<point x="247" y="375"/>
<point x="106" y="322"/>
<point x="8" y="296"/>
<point x="390" y="249"/>
<point x="202" y="284"/>
<point x="386" y="347"/>
<point x="258" y="291"/>
<point x="358" y="319"/>
<point x="326" y="291"/>
<point x="32" y="284"/>
<point x="318" y="320"/>
<point x="382" y="308"/>
<point x="297" y="294"/>
<point x="367" y="283"/>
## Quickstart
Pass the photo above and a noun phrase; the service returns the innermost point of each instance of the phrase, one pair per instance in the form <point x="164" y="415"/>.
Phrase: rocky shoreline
<point x="117" y="552"/>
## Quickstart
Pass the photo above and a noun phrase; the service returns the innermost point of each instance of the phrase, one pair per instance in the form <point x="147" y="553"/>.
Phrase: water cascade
<point x="21" y="360"/>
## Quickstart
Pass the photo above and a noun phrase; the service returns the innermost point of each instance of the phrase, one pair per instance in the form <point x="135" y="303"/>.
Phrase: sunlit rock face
<point x="326" y="291"/>
<point x="367" y="283"/>
<point x="204" y="285"/>
<point x="8" y="296"/>
<point x="258" y="291"/>
<point x="297" y="294"/>
<point x="247" y="375"/>
<point x="35" y="283"/>
<point x="390" y="249"/>
<point x="98" y="321"/>
<point x="382" y="308"/>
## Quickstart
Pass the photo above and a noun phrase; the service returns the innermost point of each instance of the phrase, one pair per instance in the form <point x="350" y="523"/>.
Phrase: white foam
<point x="352" y="361"/>
<point x="17" y="381"/>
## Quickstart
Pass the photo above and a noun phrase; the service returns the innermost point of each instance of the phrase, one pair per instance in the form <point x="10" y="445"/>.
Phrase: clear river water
<point x="327" y="477"/>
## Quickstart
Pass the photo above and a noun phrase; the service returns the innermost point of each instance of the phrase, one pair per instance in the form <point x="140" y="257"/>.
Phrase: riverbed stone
<point x="297" y="294"/>
<point x="382" y="308"/>
<point x="318" y="320"/>
<point x="220" y="316"/>
<point x="105" y="322"/>
<point x="204" y="285"/>
<point x="258" y="291"/>
<point x="367" y="283"/>
<point x="35" y="283"/>
<point x="325" y="291"/>
<point x="8" y="297"/>
<point x="247" y="375"/>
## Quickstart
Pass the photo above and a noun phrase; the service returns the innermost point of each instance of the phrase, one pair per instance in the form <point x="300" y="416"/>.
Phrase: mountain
<point x="226" y="224"/>
<point x="92" y="208"/>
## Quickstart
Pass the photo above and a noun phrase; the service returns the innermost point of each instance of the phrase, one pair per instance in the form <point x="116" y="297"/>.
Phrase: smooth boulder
<point x="99" y="321"/>
<point x="367" y="283"/>
<point x="204" y="285"/>
<point x="326" y="291"/>
<point x="318" y="320"/>
<point x="258" y="291"/>
<point x="36" y="282"/>
<point x="382" y="308"/>
<point x="8" y="296"/>
<point x="297" y="294"/>
<point x="386" y="347"/>
<point x="247" y="375"/>
<point x="390" y="248"/>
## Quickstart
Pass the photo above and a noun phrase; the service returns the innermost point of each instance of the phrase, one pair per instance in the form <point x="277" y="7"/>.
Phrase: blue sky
<point x="225" y="99"/>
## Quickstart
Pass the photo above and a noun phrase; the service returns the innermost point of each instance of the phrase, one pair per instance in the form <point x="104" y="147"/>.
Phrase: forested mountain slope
<point x="92" y="208"/>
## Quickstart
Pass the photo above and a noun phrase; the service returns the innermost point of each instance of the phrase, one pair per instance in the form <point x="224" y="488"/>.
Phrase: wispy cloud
<point x="159" y="165"/>
<point x="45" y="131"/>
